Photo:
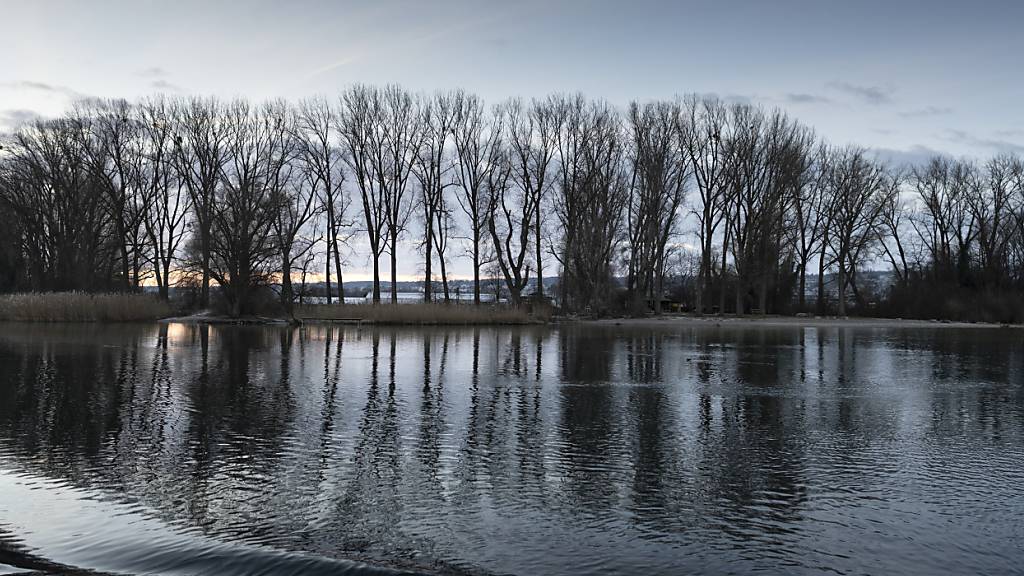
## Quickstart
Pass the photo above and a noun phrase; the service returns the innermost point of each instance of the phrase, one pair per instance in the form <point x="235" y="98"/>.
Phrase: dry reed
<point x="81" y="307"/>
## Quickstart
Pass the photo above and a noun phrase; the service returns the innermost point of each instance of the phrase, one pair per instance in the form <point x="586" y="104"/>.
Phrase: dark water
<point x="582" y="450"/>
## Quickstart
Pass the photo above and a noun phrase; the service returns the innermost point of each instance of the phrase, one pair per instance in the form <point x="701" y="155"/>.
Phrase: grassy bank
<point x="437" y="313"/>
<point x="81" y="307"/>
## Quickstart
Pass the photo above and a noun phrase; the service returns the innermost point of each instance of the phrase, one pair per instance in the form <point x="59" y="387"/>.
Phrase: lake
<point x="580" y="449"/>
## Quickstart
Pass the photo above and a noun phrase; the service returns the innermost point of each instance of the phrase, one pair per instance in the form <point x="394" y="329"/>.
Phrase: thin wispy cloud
<point x="31" y="85"/>
<point x="874" y="95"/>
<point x="14" y="119"/>
<point x="926" y="112"/>
<point x="908" y="157"/>
<point x="995" y="144"/>
<point x="803" y="98"/>
<point x="333" y="66"/>
<point x="728" y="97"/>
<point x="164" y="86"/>
<point x="152" y="72"/>
<point x="409" y="42"/>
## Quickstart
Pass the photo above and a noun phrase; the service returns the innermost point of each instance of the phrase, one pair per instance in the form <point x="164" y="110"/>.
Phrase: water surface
<point x="580" y="450"/>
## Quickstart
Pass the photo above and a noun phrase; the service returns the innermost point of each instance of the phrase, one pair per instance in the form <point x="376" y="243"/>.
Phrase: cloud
<point x="152" y="72"/>
<point x="874" y="95"/>
<point x="165" y="86"/>
<point x="15" y="118"/>
<point x="994" y="144"/>
<point x="1009" y="133"/>
<point x="30" y="85"/>
<point x="728" y="98"/>
<point x="336" y="64"/>
<point x="926" y="112"/>
<point x="914" y="156"/>
<point x="801" y="98"/>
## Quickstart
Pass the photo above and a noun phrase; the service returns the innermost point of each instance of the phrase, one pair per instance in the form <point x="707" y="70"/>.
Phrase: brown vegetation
<point x="81" y="307"/>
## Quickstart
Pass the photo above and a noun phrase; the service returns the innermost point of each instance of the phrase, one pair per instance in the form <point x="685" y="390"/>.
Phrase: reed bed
<point x="81" y="307"/>
<point x="422" y="313"/>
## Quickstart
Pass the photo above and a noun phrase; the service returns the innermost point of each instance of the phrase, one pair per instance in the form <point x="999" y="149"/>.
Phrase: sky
<point x="905" y="78"/>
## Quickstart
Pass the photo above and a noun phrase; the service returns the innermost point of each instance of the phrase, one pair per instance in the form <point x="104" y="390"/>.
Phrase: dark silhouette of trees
<point x="510" y="211"/>
<point x="477" y="146"/>
<point x="715" y="205"/>
<point x="321" y="160"/>
<point x="166" y="220"/>
<point x="199" y="134"/>
<point x="53" y="191"/>
<point x="591" y="196"/>
<point x="432" y="167"/>
<point x="660" y="174"/>
<point x="251" y="195"/>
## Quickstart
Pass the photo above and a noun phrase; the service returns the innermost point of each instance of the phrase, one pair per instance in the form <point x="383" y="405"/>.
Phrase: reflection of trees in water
<point x="751" y="457"/>
<point x="379" y="441"/>
<point x="588" y="426"/>
<point x="661" y="492"/>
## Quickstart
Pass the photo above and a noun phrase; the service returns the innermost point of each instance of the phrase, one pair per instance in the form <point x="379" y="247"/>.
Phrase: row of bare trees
<point x="745" y="203"/>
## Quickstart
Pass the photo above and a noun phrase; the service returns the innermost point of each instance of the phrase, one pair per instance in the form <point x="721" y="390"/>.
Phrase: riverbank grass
<point x="423" y="313"/>
<point x="81" y="307"/>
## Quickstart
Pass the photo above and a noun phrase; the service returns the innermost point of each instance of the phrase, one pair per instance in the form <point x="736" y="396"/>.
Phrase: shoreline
<point x="665" y="321"/>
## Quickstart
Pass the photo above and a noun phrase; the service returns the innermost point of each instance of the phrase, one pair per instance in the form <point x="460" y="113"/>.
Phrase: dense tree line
<point x="725" y="206"/>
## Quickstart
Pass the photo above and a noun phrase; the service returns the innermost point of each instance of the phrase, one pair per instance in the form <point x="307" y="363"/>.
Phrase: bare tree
<point x="200" y="154"/>
<point x="946" y="225"/>
<point x="531" y="132"/>
<point x="361" y="134"/>
<point x="992" y="202"/>
<point x="859" y="188"/>
<point x="593" y="191"/>
<point x="701" y="126"/>
<point x="892" y="235"/>
<point x="379" y="129"/>
<point x="808" y="214"/>
<point x="322" y="166"/>
<point x="510" y="216"/>
<point x="297" y="196"/>
<point x="432" y="168"/>
<point x="165" y="221"/>
<point x="477" y="143"/>
<point x="50" y="185"/>
<point x="109" y="133"/>
<point x="759" y="147"/>
<point x="248" y="201"/>
<point x="660" y="172"/>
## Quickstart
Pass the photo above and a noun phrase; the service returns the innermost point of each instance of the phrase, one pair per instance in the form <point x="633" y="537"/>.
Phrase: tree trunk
<point x="327" y="276"/>
<point x="803" y="285"/>
<point x="204" y="240"/>
<point x="286" y="280"/>
<point x="444" y="280"/>
<point x="476" y="268"/>
<point x="821" y="282"/>
<point x="658" y="287"/>
<point x="540" y="268"/>
<point x="394" y="266"/>
<point x="842" y="290"/>
<point x="701" y="279"/>
<point x="376" y="279"/>
<point x="337" y="269"/>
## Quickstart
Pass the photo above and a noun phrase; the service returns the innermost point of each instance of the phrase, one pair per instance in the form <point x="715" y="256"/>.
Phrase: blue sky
<point x="906" y="78"/>
<point x="898" y="76"/>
